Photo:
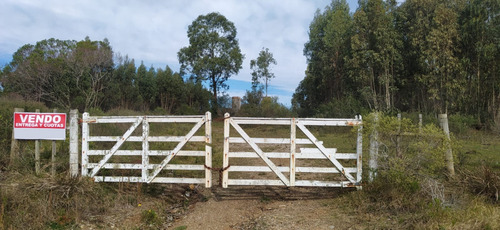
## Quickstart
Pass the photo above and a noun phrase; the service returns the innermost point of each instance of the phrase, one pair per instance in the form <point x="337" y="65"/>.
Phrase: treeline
<point x="430" y="56"/>
<point x="86" y="74"/>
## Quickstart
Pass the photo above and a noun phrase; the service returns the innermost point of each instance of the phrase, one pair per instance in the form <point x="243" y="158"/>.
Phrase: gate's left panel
<point x="150" y="149"/>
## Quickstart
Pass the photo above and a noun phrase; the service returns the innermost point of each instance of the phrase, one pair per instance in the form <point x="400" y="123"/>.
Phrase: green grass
<point x="479" y="148"/>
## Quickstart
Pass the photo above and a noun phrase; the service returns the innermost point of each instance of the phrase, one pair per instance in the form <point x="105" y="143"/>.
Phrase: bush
<point x="482" y="181"/>
<point x="420" y="151"/>
<point x="461" y="123"/>
<point x="345" y="107"/>
<point x="268" y="107"/>
<point x="411" y="162"/>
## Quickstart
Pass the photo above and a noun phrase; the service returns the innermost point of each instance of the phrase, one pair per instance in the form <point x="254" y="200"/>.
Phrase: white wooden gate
<point x="347" y="176"/>
<point x="119" y="165"/>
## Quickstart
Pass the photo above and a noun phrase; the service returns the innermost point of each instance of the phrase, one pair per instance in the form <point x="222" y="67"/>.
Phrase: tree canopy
<point x="421" y="55"/>
<point x="213" y="53"/>
<point x="70" y="74"/>
<point x="261" y="67"/>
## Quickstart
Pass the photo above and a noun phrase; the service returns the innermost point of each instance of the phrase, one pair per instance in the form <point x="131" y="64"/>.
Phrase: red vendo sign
<point x="47" y="126"/>
<point x="40" y="120"/>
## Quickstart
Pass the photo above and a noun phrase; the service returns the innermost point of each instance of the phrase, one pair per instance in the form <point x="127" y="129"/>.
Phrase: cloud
<point x="154" y="31"/>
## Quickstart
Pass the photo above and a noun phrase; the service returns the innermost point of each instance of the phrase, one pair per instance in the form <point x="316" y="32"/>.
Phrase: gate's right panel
<point x="292" y="152"/>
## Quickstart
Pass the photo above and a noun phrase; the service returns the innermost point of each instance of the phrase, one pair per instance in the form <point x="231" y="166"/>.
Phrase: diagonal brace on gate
<point x="323" y="150"/>
<point x="259" y="152"/>
<point x="176" y="150"/>
<point x="116" y="146"/>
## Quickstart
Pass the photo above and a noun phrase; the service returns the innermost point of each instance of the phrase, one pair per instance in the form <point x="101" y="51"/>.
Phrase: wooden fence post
<point x="443" y="122"/>
<point x="14" y="144"/>
<point x="53" y="158"/>
<point x="374" y="145"/>
<point x="37" y="153"/>
<point x="73" y="143"/>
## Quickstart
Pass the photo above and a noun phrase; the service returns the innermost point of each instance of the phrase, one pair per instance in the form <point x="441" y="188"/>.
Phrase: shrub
<point x="345" y="107"/>
<point x="149" y="217"/>
<point x="482" y="181"/>
<point x="461" y="123"/>
<point x="268" y="107"/>
<point x="411" y="162"/>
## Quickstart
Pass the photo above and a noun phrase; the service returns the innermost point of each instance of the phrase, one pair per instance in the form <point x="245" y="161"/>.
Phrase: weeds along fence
<point x="297" y="157"/>
<point x="151" y="149"/>
<point x="398" y="143"/>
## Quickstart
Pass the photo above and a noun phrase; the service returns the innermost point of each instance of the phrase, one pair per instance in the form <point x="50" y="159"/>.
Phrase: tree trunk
<point x="215" y="104"/>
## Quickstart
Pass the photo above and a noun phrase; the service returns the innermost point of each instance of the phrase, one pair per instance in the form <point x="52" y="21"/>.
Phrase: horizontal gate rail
<point x="150" y="172"/>
<point x="316" y="151"/>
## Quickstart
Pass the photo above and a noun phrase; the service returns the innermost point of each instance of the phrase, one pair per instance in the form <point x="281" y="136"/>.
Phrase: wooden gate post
<point x="73" y="143"/>
<point x="443" y="122"/>
<point x="359" y="151"/>
<point x="14" y="144"/>
<point x="225" y="161"/>
<point x="208" y="150"/>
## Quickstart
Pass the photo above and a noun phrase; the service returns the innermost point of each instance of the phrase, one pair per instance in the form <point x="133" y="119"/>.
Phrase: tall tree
<point x="213" y="53"/>
<point x="171" y="89"/>
<point x="91" y="65"/>
<point x="375" y="52"/>
<point x="326" y="50"/>
<point x="443" y="78"/>
<point x="148" y="87"/>
<point x="261" y="67"/>
<point x="479" y="38"/>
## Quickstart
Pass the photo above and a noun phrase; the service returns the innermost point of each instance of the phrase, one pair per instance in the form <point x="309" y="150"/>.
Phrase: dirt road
<point x="268" y="208"/>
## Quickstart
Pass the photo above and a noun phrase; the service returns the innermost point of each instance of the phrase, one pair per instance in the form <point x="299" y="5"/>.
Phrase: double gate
<point x="140" y="156"/>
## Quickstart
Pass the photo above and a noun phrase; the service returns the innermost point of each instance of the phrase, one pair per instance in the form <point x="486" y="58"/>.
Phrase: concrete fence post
<point x="73" y="143"/>
<point x="374" y="145"/>
<point x="443" y="122"/>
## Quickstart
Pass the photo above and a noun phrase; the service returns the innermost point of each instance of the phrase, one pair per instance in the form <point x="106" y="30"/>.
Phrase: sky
<point x="154" y="31"/>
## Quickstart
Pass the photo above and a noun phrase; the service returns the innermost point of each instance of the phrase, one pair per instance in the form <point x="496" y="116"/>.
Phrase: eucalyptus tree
<point x="91" y="66"/>
<point x="171" y="90"/>
<point x="261" y="67"/>
<point x="148" y="86"/>
<point x="431" y="53"/>
<point x="375" y="52"/>
<point x="213" y="53"/>
<point x="123" y="91"/>
<point x="444" y="80"/>
<point x="326" y="51"/>
<point x="479" y="44"/>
